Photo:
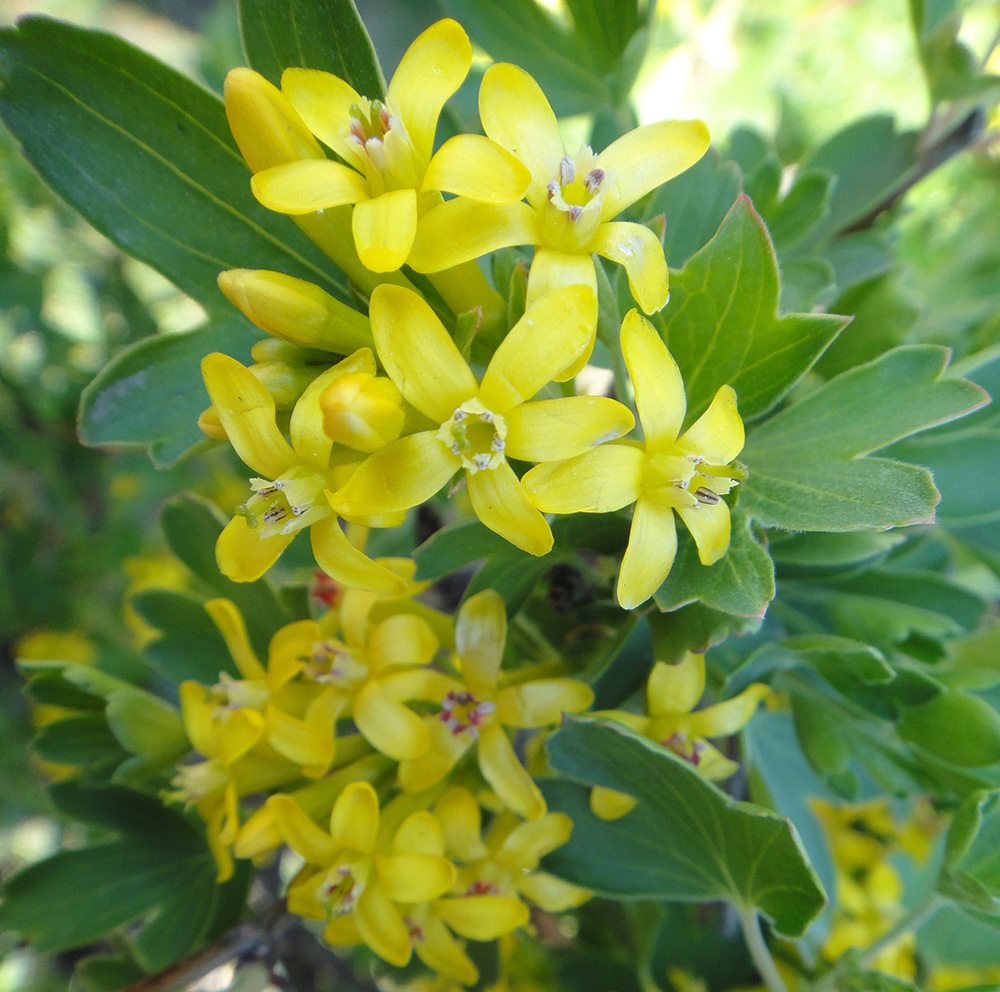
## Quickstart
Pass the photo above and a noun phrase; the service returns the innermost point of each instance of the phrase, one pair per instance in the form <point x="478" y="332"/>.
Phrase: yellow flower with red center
<point x="476" y="708"/>
<point x="290" y="494"/>
<point x="481" y="424"/>
<point x="672" y="692"/>
<point x="669" y="472"/>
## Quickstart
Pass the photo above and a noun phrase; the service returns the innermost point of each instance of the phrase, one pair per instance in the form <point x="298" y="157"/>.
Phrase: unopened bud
<point x="362" y="411"/>
<point x="209" y="423"/>
<point x="296" y="311"/>
<point x="266" y="126"/>
<point x="286" y="383"/>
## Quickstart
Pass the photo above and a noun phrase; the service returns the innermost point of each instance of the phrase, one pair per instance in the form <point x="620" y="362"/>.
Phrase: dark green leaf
<point x="804" y="464"/>
<point x="972" y="875"/>
<point x="152" y="392"/>
<point x="685" y="841"/>
<point x="145" y="155"/>
<point x="831" y="550"/>
<point x="805" y="281"/>
<point x="605" y="27"/>
<point x="103" y="973"/>
<point x="51" y="689"/>
<point x="192" y="527"/>
<point x="313" y="34"/>
<point x="79" y="740"/>
<point x="456" y="547"/>
<point x="741" y="582"/>
<point x="722" y="323"/>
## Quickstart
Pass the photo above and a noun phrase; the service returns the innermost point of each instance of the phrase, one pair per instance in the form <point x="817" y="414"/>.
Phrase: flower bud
<point x="286" y="383"/>
<point x="209" y="423"/>
<point x="296" y="311"/>
<point x="267" y="128"/>
<point x="362" y="411"/>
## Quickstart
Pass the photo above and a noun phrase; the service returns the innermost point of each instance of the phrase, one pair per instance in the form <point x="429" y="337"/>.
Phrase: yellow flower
<point x="571" y="198"/>
<point x="475" y="709"/>
<point x="390" y="175"/>
<point x="672" y="692"/>
<point x="355" y="877"/>
<point x="688" y="474"/>
<point x="290" y="496"/>
<point x="481" y="425"/>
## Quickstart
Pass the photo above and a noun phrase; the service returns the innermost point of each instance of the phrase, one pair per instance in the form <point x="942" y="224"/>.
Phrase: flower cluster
<point x="379" y="730"/>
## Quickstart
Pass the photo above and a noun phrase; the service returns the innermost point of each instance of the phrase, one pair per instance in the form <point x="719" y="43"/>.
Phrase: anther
<point x="707" y="496"/>
<point x="567" y="170"/>
<point x="592" y="181"/>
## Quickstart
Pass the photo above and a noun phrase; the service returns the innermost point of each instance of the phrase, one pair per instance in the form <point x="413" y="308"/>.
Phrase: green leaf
<point x="697" y="628"/>
<point x="152" y="392"/>
<point x="313" y="34"/>
<point x="695" y="204"/>
<point x="722" y="323"/>
<point x="145" y="155"/>
<point x="831" y="550"/>
<point x="79" y="740"/>
<point x="605" y="28"/>
<point x="190" y="645"/>
<point x="104" y="973"/>
<point x="455" y="547"/>
<point x="957" y="727"/>
<point x="522" y="31"/>
<point x="192" y="527"/>
<point x="685" y="841"/>
<point x="741" y="582"/>
<point x="805" y="464"/>
<point x="972" y="874"/>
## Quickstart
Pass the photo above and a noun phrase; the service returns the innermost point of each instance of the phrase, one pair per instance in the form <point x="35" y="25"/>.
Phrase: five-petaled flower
<point x="478" y="426"/>
<point x="688" y="473"/>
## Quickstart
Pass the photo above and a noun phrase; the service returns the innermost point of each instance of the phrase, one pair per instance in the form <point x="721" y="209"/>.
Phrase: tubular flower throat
<point x="672" y="692"/>
<point x="670" y="472"/>
<point x="481" y="424"/>
<point x="390" y="176"/>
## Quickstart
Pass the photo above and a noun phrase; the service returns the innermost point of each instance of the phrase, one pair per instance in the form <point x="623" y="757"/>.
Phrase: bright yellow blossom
<point x="290" y="495"/>
<point x="688" y="474"/>
<point x="571" y="199"/>
<point x="475" y="709"/>
<point x="390" y="175"/>
<point x="356" y="878"/>
<point x="481" y="425"/>
<point x="672" y="692"/>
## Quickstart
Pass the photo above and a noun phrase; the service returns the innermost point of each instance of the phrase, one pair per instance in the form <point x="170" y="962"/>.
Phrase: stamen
<point x="592" y="181"/>
<point x="567" y="170"/>
<point x="553" y="189"/>
<point x="273" y="514"/>
<point x="707" y="496"/>
<point x="575" y="211"/>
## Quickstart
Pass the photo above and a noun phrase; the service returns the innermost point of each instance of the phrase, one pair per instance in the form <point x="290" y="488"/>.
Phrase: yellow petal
<point x="501" y="503"/>
<point x="419" y="833"/>
<point x="384" y="229"/>
<point x="727" y="717"/>
<point x="300" y="833"/>
<point x="243" y="555"/>
<point x="403" y="639"/>
<point x="389" y="726"/>
<point x="676" y="688"/>
<point x="709" y="524"/>
<point x="637" y="248"/>
<point x="434" y="764"/>
<point x="309" y="185"/>
<point x="713" y="764"/>
<point x="229" y="620"/>
<point x="600" y="481"/>
<point x="551" y="269"/>
<point x="264" y="124"/>
<point x="196" y="712"/>
<point x="300" y="741"/>
<point x="553" y="332"/>
<point x="398" y="476"/>
<point x="354" y="820"/>
<point x="609" y="804"/>
<point x="506" y="775"/>
<point x="419" y="683"/>
<point x="459" y="815"/>
<point x="659" y="386"/>
<point x="652" y="545"/>
<point x="310" y="442"/>
<point x="516" y="115"/>
<point x="335" y="554"/>
<point x="542" y="702"/>
<point x="473" y="166"/>
<point x="717" y="435"/>
<point x="339" y="932"/>
<point x="480" y="636"/>
<point x="246" y="412"/>
<point x="414" y="877"/>
<point x="550" y="430"/>
<point x="459" y="230"/>
<point x="645" y="158"/>
<point x="529" y="842"/>
<point x="418" y="353"/>
<point x="432" y="68"/>
<point x="324" y="102"/>
<point x="439" y="950"/>
<point x="381" y="927"/>
<point x="296" y="311"/>
<point x="552" y="894"/>
<point x="483" y="917"/>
